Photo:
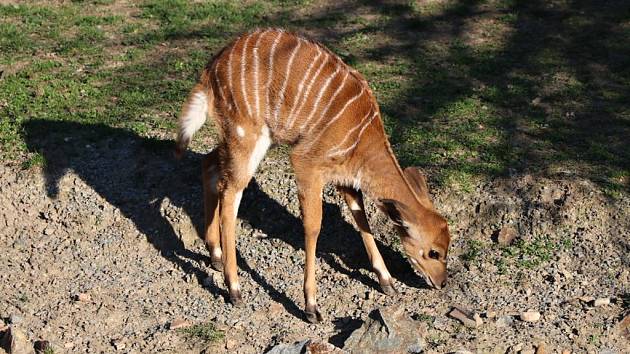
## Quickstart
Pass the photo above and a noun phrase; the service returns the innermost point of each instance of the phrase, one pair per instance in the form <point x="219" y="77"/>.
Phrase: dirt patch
<point x="117" y="218"/>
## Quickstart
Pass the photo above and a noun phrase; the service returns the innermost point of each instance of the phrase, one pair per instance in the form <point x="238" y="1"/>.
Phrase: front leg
<point x="310" y="194"/>
<point x="354" y="199"/>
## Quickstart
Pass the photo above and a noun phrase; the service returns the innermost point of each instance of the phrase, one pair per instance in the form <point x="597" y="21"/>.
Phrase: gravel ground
<point x="100" y="252"/>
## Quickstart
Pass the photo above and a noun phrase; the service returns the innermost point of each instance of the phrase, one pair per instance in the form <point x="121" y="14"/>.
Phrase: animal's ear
<point x="393" y="209"/>
<point x="419" y="183"/>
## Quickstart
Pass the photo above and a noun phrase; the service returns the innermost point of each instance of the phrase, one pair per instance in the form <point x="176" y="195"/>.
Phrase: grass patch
<point x="205" y="332"/>
<point x="464" y="104"/>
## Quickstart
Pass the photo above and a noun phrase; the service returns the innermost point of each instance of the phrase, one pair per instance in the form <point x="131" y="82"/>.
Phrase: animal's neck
<point x="377" y="168"/>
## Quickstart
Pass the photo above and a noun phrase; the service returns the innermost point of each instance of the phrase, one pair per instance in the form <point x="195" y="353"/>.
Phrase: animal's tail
<point x="198" y="106"/>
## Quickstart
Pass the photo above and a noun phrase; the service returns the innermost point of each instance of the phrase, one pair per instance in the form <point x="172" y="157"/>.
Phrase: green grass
<point x="205" y="332"/>
<point x="465" y="103"/>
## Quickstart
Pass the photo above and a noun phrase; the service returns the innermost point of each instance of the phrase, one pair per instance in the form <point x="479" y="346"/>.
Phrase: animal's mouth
<point x="420" y="272"/>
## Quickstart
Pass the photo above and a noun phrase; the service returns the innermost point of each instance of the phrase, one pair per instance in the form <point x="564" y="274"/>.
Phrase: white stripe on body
<point x="365" y="122"/>
<point x="230" y="70"/>
<point x="330" y="102"/>
<point x="319" y="98"/>
<point x="280" y="98"/>
<point x="307" y="93"/>
<point x="272" y="53"/>
<point x="256" y="88"/>
<point x="332" y="120"/>
<point x="216" y="79"/>
<point x="298" y="95"/>
<point x="243" y="60"/>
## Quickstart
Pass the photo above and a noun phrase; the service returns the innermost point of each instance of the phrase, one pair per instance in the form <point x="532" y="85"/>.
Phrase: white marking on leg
<point x="280" y="98"/>
<point x="237" y="202"/>
<point x="272" y="53"/>
<point x="319" y="97"/>
<point x="194" y="115"/>
<point x="298" y="95"/>
<point x="262" y="144"/>
<point x="307" y="93"/>
<point x="354" y="206"/>
<point x="240" y="131"/>
<point x="243" y="60"/>
<point x="235" y="287"/>
<point x="256" y="88"/>
<point x="217" y="253"/>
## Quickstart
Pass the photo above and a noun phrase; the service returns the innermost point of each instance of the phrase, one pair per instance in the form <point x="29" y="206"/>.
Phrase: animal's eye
<point x="434" y="254"/>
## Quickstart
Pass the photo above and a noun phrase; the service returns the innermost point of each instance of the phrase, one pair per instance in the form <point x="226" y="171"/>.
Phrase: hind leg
<point x="241" y="158"/>
<point x="210" y="172"/>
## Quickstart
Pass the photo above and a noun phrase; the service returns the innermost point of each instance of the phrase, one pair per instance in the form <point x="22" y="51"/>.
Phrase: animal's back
<point x="297" y="88"/>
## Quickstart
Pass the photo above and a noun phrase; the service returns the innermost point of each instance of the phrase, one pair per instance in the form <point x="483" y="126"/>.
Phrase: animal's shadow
<point x="136" y="174"/>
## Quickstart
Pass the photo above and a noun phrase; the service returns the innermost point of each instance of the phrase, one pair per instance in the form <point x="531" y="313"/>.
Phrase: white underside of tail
<point x="193" y="116"/>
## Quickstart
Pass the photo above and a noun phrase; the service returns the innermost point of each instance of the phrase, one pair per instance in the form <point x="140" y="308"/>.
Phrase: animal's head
<point x="423" y="232"/>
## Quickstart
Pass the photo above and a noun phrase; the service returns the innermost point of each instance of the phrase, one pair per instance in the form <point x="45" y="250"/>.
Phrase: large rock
<point x="15" y="341"/>
<point x="306" y="347"/>
<point x="387" y="330"/>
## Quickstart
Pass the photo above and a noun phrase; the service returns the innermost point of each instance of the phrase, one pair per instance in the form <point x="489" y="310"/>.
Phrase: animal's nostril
<point x="443" y="284"/>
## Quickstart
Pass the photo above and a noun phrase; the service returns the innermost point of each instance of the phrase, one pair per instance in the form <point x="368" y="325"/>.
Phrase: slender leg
<point x="354" y="199"/>
<point x="212" y="236"/>
<point x="230" y="200"/>
<point x="239" y="161"/>
<point x="310" y="194"/>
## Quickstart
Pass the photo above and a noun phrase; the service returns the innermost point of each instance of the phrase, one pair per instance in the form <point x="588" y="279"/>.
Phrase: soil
<point x="101" y="253"/>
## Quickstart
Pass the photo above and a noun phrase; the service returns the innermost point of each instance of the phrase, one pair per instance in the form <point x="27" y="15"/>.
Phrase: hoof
<point x="236" y="299"/>
<point x="389" y="289"/>
<point x="216" y="264"/>
<point x="313" y="316"/>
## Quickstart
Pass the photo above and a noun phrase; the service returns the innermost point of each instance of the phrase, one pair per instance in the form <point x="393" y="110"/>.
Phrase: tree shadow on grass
<point x="137" y="175"/>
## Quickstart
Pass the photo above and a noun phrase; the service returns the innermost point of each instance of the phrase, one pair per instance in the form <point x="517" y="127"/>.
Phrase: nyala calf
<point x="270" y="86"/>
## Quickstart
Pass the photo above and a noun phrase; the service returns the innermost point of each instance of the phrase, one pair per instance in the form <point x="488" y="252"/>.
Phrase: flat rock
<point x="16" y="341"/>
<point x="530" y="316"/>
<point x="466" y="317"/>
<point x="306" y="346"/>
<point x="504" y="321"/>
<point x="601" y="301"/>
<point x="179" y="323"/>
<point x="386" y="330"/>
<point x="506" y="235"/>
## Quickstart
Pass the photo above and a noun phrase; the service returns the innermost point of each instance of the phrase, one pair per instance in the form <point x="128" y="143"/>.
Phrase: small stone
<point x="506" y="235"/>
<point x="528" y="351"/>
<point x="118" y="344"/>
<point x="478" y="319"/>
<point x="464" y="316"/>
<point x="504" y="321"/>
<point x="601" y="301"/>
<point x="68" y="345"/>
<point x="586" y="299"/>
<point x="566" y="351"/>
<point x="83" y="297"/>
<point x="179" y="323"/>
<point x="530" y="316"/>
<point x="275" y="308"/>
<point x="230" y="343"/>
<point x="491" y="314"/>
<point x="15" y="319"/>
<point x="48" y="231"/>
<point x="541" y="349"/>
